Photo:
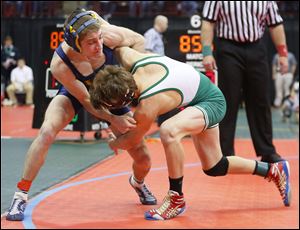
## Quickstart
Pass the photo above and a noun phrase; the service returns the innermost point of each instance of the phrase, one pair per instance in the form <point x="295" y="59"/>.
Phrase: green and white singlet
<point x="194" y="87"/>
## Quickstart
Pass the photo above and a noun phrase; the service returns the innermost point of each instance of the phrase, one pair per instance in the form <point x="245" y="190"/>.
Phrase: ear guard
<point x="124" y="101"/>
<point x="71" y="35"/>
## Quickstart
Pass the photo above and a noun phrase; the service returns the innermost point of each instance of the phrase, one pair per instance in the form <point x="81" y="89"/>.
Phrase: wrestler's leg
<point x="141" y="166"/>
<point x="58" y="114"/>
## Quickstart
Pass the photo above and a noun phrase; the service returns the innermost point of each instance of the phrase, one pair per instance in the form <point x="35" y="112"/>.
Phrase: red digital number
<point x="190" y="43"/>
<point x="55" y="39"/>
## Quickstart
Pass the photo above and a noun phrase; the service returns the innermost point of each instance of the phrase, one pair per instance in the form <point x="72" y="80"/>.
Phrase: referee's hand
<point x="283" y="65"/>
<point x="209" y="63"/>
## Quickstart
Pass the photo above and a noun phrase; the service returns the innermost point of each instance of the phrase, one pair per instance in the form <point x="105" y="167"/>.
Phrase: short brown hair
<point x="111" y="86"/>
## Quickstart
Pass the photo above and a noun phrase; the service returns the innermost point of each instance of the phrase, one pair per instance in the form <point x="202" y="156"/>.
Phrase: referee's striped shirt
<point x="241" y="21"/>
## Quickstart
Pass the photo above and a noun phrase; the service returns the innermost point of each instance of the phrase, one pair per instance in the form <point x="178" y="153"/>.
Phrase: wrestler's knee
<point x="47" y="135"/>
<point x="168" y="133"/>
<point x="220" y="169"/>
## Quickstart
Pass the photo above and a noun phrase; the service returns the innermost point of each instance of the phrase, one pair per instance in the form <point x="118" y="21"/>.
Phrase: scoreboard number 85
<point x="190" y="43"/>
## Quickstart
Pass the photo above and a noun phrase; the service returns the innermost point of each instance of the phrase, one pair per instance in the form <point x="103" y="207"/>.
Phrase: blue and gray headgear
<point x="71" y="35"/>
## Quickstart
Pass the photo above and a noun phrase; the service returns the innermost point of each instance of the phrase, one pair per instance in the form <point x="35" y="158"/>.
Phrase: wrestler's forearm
<point x="121" y="143"/>
<point x="101" y="114"/>
<point x="126" y="141"/>
<point x="139" y="43"/>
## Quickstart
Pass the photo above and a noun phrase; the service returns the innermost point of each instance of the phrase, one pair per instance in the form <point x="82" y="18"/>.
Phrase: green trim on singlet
<point x="163" y="90"/>
<point x="145" y="58"/>
<point x="163" y="78"/>
<point x="205" y="116"/>
<point x="149" y="63"/>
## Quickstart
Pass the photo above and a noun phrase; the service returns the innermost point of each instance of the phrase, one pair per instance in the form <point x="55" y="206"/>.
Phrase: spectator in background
<point x="69" y="6"/>
<point x="138" y="8"/>
<point x="20" y="9"/>
<point x="145" y="8"/>
<point x="157" y="7"/>
<point x="295" y="99"/>
<point x="107" y="9"/>
<point x="188" y="8"/>
<point x="243" y="64"/>
<point x="9" y="56"/>
<point x="2" y="88"/>
<point x="21" y="81"/>
<point x="154" y="41"/>
<point x="290" y="105"/>
<point x="2" y="83"/>
<point x="8" y="9"/>
<point x="284" y="81"/>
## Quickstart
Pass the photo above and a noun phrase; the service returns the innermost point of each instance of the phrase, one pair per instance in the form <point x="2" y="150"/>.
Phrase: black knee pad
<point x="220" y="169"/>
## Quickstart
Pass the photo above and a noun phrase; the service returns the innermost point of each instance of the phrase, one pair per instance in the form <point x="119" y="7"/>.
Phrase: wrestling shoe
<point x="146" y="197"/>
<point x="173" y="205"/>
<point x="17" y="208"/>
<point x="280" y="174"/>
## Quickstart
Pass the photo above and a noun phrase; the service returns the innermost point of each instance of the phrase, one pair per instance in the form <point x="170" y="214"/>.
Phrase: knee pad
<point x="220" y="169"/>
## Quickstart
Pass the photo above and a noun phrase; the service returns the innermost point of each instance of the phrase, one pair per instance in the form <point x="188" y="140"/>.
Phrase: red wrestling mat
<point x="16" y="122"/>
<point x="101" y="196"/>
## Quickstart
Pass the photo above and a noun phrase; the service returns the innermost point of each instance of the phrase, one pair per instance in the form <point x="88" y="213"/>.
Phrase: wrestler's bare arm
<point x="77" y="89"/>
<point x="117" y="36"/>
<point x="128" y="56"/>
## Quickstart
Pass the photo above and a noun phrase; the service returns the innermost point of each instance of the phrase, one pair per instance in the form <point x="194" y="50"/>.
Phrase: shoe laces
<point x="169" y="208"/>
<point x="165" y="205"/>
<point x="279" y="178"/>
<point x="17" y="206"/>
<point x="146" y="191"/>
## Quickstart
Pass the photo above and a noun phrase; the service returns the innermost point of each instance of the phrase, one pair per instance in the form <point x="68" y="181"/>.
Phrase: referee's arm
<point x="278" y="37"/>
<point x="207" y="36"/>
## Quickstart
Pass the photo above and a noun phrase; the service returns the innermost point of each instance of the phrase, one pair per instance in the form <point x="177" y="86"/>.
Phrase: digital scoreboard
<point x="53" y="36"/>
<point x="185" y="46"/>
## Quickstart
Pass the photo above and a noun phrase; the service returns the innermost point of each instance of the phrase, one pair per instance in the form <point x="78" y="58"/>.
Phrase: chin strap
<point x="124" y="101"/>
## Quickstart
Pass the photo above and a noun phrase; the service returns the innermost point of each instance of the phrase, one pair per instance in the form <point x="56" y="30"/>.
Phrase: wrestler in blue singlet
<point x="110" y="60"/>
